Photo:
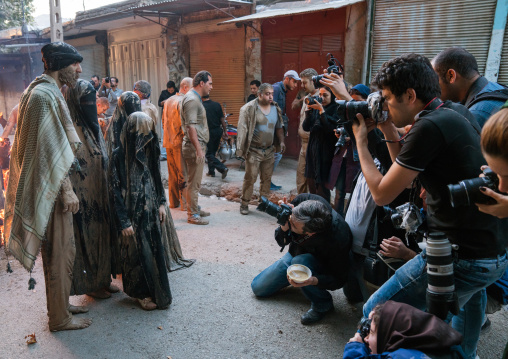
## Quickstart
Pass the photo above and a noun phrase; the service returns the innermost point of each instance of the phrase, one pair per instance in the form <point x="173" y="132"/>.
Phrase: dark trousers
<point x="211" y="150"/>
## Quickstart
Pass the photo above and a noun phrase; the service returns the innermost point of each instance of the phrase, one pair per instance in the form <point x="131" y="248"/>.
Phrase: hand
<point x="127" y="232"/>
<point x="70" y="201"/>
<point x="360" y="129"/>
<point x="499" y="209"/>
<point x="311" y="281"/>
<point x="337" y="85"/>
<point x="225" y="135"/>
<point x="284" y="200"/>
<point x="356" y="338"/>
<point x="282" y="147"/>
<point x="317" y="106"/>
<point x="200" y="157"/>
<point x="393" y="247"/>
<point x="162" y="213"/>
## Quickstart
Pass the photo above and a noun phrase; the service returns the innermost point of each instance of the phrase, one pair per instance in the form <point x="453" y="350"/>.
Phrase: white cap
<point x="292" y="74"/>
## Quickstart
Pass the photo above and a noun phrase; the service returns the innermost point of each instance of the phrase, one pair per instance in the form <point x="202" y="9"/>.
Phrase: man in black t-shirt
<point x="442" y="147"/>
<point x="218" y="130"/>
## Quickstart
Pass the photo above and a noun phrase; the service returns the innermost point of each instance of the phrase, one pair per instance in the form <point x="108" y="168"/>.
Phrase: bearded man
<point x="40" y="200"/>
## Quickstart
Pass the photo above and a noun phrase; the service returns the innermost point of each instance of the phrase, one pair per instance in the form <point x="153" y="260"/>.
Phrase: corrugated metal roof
<point x="303" y="9"/>
<point x="185" y="6"/>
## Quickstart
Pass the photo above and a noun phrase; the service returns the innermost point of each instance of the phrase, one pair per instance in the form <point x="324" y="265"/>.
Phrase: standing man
<point x="460" y="81"/>
<point x="95" y="82"/>
<point x="195" y="129"/>
<point x="40" y="200"/>
<point x="260" y="124"/>
<point x="310" y="90"/>
<point x="107" y="91"/>
<point x="254" y="87"/>
<point x="118" y="92"/>
<point x="217" y="129"/>
<point x="172" y="142"/>
<point x="280" y="89"/>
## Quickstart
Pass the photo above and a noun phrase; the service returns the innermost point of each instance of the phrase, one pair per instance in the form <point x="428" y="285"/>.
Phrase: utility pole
<point x="55" y="15"/>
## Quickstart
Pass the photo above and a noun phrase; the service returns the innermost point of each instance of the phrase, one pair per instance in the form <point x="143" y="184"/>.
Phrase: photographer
<point x="106" y="91"/>
<point x="318" y="238"/>
<point x="442" y="147"/>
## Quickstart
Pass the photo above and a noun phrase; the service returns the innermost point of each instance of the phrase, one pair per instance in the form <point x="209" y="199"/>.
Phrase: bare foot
<point x="100" y="294"/>
<point x="112" y="288"/>
<point x="147" y="304"/>
<point x="74" y="324"/>
<point x="75" y="309"/>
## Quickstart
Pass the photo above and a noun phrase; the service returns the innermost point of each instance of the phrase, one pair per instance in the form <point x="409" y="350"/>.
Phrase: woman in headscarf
<point x="400" y="331"/>
<point x="320" y="120"/>
<point x="92" y="223"/>
<point x="149" y="245"/>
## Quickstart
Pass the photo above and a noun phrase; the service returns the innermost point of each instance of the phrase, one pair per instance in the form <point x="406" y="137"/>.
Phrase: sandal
<point x="147" y="304"/>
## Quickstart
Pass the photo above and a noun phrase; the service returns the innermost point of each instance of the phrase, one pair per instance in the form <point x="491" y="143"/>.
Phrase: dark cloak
<point x="322" y="141"/>
<point x="92" y="224"/>
<point x="403" y="326"/>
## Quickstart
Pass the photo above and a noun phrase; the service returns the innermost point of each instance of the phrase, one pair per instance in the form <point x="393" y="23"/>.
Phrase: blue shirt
<point x="484" y="109"/>
<point x="279" y="95"/>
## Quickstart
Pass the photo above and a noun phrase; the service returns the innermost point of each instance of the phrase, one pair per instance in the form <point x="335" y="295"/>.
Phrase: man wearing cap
<point x="280" y="89"/>
<point x="40" y="200"/>
<point x="360" y="92"/>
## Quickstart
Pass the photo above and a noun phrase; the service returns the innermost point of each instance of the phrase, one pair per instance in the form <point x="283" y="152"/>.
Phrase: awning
<point x="182" y="7"/>
<point x="302" y="8"/>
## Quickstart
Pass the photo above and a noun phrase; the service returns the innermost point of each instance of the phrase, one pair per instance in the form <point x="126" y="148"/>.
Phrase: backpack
<point x="497" y="95"/>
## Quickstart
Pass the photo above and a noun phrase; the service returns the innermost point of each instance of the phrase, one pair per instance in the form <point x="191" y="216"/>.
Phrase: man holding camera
<point x="442" y="147"/>
<point x="320" y="239"/>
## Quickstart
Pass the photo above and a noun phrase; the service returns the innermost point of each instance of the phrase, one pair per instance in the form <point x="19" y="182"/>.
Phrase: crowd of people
<point x="93" y="199"/>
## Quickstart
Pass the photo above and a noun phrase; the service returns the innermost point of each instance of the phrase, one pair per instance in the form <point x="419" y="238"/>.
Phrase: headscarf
<point x="81" y="101"/>
<point x="59" y="55"/>
<point x="403" y="326"/>
<point x="128" y="103"/>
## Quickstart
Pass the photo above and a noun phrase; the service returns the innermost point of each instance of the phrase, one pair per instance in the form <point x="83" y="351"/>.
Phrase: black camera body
<point x="441" y="297"/>
<point x="106" y="80"/>
<point x="312" y="100"/>
<point x="334" y="66"/>
<point x="467" y="192"/>
<point x="406" y="216"/>
<point x="364" y="327"/>
<point x="281" y="212"/>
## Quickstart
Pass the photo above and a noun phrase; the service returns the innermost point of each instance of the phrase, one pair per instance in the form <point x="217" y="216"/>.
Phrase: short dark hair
<point x="314" y="215"/>
<point x="116" y="79"/>
<point x="201" y="76"/>
<point x="256" y="82"/>
<point x="171" y="84"/>
<point x="96" y="76"/>
<point x="409" y="71"/>
<point x="458" y="59"/>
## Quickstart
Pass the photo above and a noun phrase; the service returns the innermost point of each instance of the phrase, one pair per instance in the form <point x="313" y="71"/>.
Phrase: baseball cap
<point x="362" y="89"/>
<point x="293" y="74"/>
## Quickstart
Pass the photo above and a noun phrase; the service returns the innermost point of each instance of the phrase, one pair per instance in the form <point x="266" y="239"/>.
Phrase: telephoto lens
<point x="441" y="296"/>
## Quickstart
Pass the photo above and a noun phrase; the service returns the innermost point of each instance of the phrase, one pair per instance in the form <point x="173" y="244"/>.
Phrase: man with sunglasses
<point x="319" y="238"/>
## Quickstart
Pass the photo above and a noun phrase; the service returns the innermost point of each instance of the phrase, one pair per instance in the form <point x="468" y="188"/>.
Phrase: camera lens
<point x="467" y="192"/>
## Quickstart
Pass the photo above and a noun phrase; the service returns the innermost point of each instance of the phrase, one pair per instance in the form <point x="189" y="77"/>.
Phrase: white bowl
<point x="299" y="273"/>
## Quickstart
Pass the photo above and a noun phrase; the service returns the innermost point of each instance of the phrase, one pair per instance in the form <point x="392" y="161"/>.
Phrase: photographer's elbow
<point x="382" y="199"/>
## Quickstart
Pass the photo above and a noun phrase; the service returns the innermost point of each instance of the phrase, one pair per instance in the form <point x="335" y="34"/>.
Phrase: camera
<point x="406" y="216"/>
<point x="441" y="296"/>
<point x="312" y="100"/>
<point x="106" y="80"/>
<point x="343" y="135"/>
<point x="467" y="192"/>
<point x="281" y="212"/>
<point x="372" y="108"/>
<point x="364" y="327"/>
<point x="334" y="66"/>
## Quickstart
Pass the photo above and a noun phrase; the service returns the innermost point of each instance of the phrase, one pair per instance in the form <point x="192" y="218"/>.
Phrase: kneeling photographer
<point x="318" y="239"/>
<point x="442" y="147"/>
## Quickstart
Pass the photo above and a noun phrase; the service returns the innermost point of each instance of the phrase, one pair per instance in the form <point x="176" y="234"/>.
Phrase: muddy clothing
<point x="258" y="162"/>
<point x="150" y="109"/>
<point x="93" y="225"/>
<point x="194" y="176"/>
<point x="264" y="132"/>
<point x="192" y="112"/>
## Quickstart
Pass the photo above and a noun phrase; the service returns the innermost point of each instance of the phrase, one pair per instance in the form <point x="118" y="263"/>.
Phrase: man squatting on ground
<point x="172" y="142"/>
<point x="442" y="147"/>
<point x="40" y="200"/>
<point x="195" y="129"/>
<point x="259" y="127"/>
<point x="319" y="238"/>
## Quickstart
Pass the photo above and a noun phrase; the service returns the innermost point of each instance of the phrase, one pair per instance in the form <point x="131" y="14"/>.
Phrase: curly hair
<point x="409" y="71"/>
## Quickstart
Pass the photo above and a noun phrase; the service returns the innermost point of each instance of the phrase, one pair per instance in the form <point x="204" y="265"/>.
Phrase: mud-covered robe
<point x="41" y="156"/>
<point x="93" y="227"/>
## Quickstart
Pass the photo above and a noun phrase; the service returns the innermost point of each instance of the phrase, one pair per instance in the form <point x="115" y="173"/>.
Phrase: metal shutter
<point x="428" y="26"/>
<point x="503" y="69"/>
<point x="223" y="55"/>
<point x="94" y="61"/>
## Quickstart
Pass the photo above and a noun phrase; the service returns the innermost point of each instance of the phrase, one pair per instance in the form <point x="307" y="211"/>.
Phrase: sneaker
<point x="196" y="219"/>
<point x="274" y="187"/>
<point x="210" y="174"/>
<point x="225" y="173"/>
<point x="244" y="209"/>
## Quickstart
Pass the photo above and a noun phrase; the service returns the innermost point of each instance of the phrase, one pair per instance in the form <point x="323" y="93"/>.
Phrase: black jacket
<point x="331" y="247"/>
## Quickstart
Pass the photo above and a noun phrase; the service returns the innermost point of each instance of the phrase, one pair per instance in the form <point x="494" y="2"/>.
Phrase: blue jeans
<point x="274" y="278"/>
<point x="409" y="285"/>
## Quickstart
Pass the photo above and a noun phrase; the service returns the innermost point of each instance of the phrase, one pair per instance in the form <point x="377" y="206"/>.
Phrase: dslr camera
<point x="281" y="212"/>
<point x="334" y="66"/>
<point x="372" y="108"/>
<point x="406" y="216"/>
<point x="312" y="100"/>
<point x="467" y="192"/>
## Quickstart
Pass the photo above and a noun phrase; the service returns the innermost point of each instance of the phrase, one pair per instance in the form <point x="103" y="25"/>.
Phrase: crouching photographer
<point x="318" y="239"/>
<point x="442" y="147"/>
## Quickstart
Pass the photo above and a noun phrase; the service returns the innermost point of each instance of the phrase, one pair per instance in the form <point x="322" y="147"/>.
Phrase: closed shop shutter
<point x="428" y="26"/>
<point x="503" y="69"/>
<point x="94" y="61"/>
<point x="222" y="54"/>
